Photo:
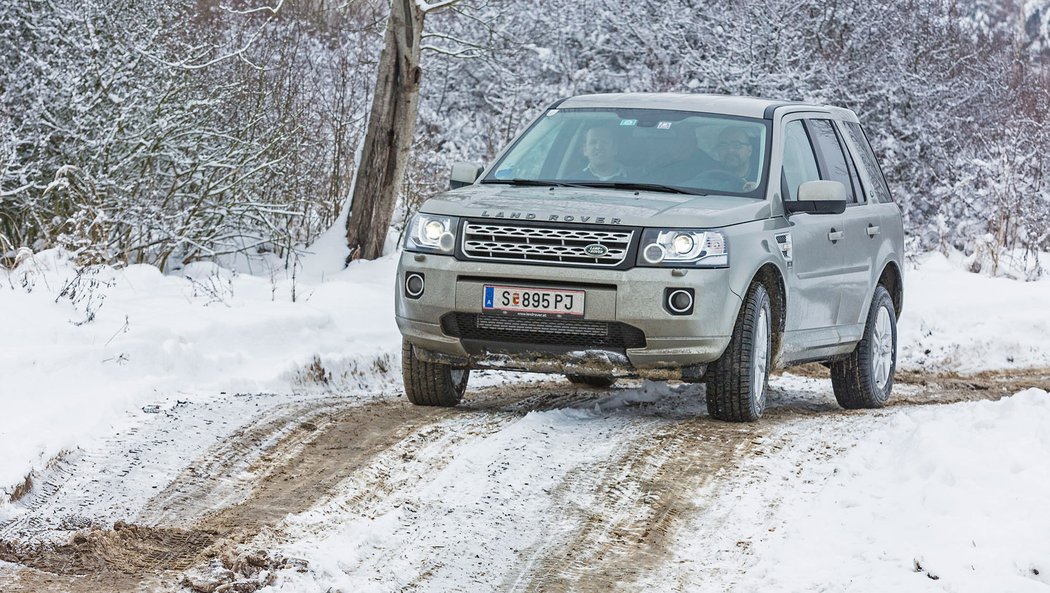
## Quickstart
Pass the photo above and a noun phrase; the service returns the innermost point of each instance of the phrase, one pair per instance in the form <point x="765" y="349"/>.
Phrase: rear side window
<point x="833" y="164"/>
<point x="800" y="164"/>
<point x="880" y="191"/>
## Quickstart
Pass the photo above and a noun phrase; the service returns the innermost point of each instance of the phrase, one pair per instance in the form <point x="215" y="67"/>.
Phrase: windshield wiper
<point x="533" y="182"/>
<point x="641" y="186"/>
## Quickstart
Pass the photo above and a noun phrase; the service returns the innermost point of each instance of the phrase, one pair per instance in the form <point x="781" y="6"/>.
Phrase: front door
<point x="817" y="254"/>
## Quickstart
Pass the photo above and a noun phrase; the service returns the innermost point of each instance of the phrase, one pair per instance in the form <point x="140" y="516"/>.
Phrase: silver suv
<point x="691" y="237"/>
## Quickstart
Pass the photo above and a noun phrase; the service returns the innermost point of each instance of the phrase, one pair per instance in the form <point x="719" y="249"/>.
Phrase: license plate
<point x="519" y="299"/>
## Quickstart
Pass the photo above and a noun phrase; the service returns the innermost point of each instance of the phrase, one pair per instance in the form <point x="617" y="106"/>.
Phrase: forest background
<point x="150" y="131"/>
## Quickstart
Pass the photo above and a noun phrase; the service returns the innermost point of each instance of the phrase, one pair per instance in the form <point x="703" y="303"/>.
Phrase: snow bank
<point x="936" y="499"/>
<point x="79" y="352"/>
<point x="958" y="321"/>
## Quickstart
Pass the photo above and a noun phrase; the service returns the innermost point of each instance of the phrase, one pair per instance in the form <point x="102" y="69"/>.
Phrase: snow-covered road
<point x="543" y="486"/>
<point x="211" y="429"/>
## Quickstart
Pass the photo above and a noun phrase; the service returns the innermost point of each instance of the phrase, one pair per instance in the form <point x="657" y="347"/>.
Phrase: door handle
<point x="834" y="235"/>
<point x="873" y="230"/>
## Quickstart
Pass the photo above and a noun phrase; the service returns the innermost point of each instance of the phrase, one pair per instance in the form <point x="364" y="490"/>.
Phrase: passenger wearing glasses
<point x="733" y="171"/>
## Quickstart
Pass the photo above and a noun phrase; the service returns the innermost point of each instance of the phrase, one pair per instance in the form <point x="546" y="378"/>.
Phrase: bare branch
<point x="464" y="53"/>
<point x="239" y="53"/>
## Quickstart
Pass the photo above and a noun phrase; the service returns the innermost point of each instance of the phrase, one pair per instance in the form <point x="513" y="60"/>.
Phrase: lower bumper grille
<point x="578" y="333"/>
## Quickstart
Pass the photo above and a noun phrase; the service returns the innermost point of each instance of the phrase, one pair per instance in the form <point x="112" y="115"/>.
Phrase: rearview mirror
<point x="464" y="174"/>
<point x="818" y="197"/>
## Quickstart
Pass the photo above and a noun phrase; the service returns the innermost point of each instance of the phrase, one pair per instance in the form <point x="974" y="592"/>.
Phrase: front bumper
<point x="633" y="297"/>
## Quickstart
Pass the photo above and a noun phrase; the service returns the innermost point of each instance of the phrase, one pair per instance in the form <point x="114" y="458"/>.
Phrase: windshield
<point x="659" y="150"/>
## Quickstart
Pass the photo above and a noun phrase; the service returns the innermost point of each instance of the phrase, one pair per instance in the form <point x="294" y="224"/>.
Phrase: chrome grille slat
<point x="564" y="246"/>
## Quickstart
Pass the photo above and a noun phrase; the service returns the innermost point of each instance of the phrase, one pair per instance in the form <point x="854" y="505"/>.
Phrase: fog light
<point x="414" y="285"/>
<point x="679" y="301"/>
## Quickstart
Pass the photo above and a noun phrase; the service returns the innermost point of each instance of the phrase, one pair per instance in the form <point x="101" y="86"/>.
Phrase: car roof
<point x="724" y="104"/>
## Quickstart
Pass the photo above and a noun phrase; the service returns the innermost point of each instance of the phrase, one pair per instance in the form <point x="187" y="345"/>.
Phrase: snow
<point x="934" y="499"/>
<point x="192" y="336"/>
<point x="206" y="330"/>
<point x="956" y="490"/>
<point x="957" y="321"/>
<point x="487" y="502"/>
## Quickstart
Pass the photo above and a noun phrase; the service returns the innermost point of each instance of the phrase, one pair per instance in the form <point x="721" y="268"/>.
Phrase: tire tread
<point x="729" y="378"/>
<point x="427" y="383"/>
<point x="852" y="377"/>
<point x="596" y="381"/>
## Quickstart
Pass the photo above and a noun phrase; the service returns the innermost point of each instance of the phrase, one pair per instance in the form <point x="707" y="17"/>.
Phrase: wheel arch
<point x="892" y="279"/>
<point x="772" y="278"/>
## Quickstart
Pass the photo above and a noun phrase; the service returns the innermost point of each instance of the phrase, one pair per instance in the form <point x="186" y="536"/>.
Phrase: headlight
<point x="431" y="233"/>
<point x="683" y="247"/>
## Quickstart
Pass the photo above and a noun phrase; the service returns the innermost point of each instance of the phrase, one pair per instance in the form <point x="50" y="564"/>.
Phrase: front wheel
<point x="865" y="378"/>
<point x="431" y="383"/>
<point x="736" y="382"/>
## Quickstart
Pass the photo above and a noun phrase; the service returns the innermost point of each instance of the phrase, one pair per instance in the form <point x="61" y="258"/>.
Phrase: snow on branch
<point x="426" y="7"/>
<point x="271" y="9"/>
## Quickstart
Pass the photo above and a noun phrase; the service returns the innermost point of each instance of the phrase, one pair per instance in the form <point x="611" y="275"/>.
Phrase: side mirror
<point x="464" y="174"/>
<point x="818" y="197"/>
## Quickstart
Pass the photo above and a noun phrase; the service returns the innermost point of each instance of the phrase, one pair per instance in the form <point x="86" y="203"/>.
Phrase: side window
<point x="858" y="189"/>
<point x="800" y="165"/>
<point x="833" y="163"/>
<point x="880" y="191"/>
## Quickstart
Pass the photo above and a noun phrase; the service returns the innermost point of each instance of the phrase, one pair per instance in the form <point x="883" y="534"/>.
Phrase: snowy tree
<point x="163" y="132"/>
<point x="391" y="123"/>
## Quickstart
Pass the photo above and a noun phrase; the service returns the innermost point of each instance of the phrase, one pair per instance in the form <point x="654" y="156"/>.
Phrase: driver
<point x="602" y="155"/>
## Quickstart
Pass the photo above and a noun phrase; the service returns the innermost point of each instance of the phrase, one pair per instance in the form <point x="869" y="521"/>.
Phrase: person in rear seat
<point x="684" y="158"/>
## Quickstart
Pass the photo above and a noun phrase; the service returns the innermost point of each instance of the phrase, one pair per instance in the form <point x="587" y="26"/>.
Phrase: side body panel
<point x="818" y="260"/>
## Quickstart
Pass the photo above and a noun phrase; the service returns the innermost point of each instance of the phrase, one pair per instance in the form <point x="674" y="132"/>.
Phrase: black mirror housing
<point x="815" y="206"/>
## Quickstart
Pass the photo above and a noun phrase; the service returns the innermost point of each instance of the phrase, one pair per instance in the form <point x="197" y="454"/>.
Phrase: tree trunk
<point x="388" y="137"/>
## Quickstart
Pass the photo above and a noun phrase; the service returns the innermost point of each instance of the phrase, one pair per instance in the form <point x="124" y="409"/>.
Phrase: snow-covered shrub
<point x="161" y="132"/>
<point x="204" y="130"/>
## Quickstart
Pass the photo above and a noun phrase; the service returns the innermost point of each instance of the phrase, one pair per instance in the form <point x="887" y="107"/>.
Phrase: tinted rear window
<point x="880" y="191"/>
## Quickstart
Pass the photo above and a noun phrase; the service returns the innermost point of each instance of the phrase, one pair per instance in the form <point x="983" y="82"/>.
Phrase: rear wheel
<point x="736" y="382"/>
<point x="591" y="381"/>
<point x="865" y="378"/>
<point x="431" y="383"/>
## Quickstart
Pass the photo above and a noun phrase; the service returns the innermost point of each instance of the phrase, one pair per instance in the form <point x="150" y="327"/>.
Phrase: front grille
<point x="583" y="334"/>
<point x="545" y="244"/>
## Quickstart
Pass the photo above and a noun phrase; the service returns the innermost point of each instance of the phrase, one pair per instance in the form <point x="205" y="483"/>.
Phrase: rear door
<point x="860" y="226"/>
<point x="881" y="224"/>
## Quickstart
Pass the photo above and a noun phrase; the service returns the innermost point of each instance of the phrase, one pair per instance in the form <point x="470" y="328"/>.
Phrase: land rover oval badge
<point x="596" y="249"/>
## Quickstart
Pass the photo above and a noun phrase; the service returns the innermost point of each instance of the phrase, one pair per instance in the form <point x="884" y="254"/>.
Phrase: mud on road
<point x="202" y="529"/>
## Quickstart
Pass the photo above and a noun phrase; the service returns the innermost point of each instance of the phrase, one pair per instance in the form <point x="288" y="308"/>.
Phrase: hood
<point x="597" y="206"/>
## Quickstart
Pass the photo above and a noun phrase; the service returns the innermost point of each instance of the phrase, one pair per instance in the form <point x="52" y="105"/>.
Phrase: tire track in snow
<point x="643" y="494"/>
<point x="283" y="462"/>
<point x="610" y="515"/>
